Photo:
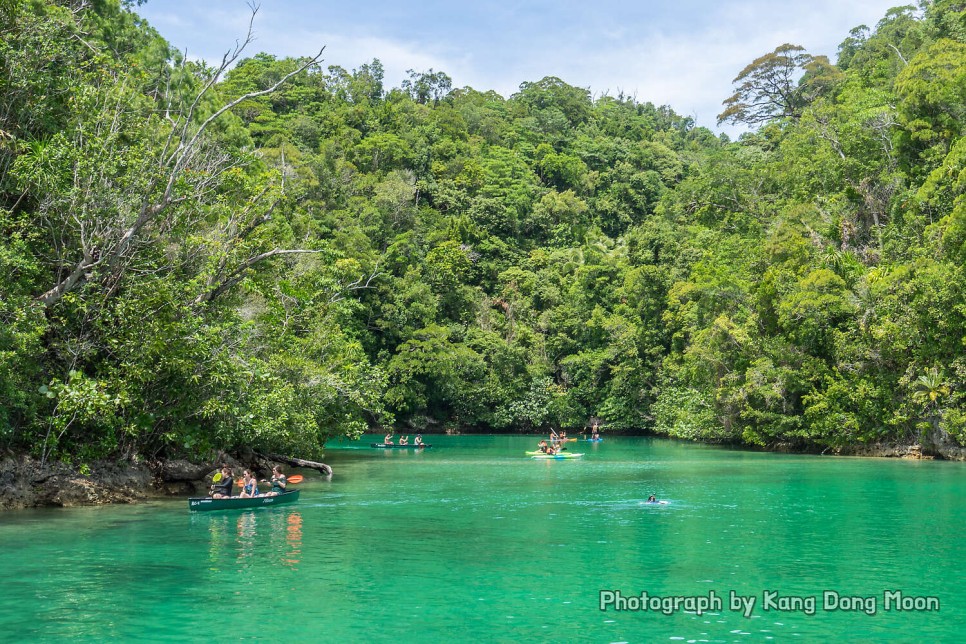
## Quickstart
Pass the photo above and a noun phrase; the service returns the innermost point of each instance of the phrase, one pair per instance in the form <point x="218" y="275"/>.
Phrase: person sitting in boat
<point x="652" y="499"/>
<point x="249" y="486"/>
<point x="542" y="446"/>
<point x="418" y="440"/>
<point x="222" y="483"/>
<point x="279" y="481"/>
<point x="404" y="440"/>
<point x="388" y="439"/>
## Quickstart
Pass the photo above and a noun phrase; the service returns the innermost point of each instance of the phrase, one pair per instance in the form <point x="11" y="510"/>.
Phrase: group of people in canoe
<point x="403" y="440"/>
<point x="223" y="483"/>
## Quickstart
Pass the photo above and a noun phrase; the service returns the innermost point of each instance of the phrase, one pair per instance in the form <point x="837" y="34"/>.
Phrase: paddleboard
<point x="557" y="457"/>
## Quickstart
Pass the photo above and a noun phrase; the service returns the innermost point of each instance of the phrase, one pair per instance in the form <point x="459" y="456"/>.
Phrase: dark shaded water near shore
<point x="471" y="539"/>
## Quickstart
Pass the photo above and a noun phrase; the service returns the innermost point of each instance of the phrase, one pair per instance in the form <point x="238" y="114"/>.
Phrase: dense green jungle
<point x="273" y="253"/>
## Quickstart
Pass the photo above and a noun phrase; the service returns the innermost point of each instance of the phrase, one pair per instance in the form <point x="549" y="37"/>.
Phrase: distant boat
<point x="206" y="503"/>
<point x="384" y="446"/>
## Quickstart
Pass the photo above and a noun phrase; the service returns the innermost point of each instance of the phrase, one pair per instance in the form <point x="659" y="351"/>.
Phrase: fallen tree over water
<point x="322" y="468"/>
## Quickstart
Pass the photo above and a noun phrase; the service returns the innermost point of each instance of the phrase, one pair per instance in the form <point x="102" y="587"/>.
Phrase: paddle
<point x="295" y="478"/>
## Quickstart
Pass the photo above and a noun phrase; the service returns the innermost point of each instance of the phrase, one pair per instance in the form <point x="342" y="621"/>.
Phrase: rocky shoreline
<point x="25" y="483"/>
<point x="877" y="450"/>
<point x="882" y="450"/>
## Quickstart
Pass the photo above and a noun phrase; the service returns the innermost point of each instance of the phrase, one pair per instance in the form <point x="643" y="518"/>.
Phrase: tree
<point x="928" y="391"/>
<point x="179" y="277"/>
<point x="768" y="88"/>
<point x="107" y="193"/>
<point x="426" y="86"/>
<point x="932" y="93"/>
<point x="551" y="93"/>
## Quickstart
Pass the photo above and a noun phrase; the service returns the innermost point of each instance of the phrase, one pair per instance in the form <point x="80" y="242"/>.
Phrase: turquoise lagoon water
<point x="472" y="540"/>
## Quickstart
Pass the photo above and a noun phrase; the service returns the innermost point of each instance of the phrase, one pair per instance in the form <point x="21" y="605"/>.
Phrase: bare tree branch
<point x="355" y="286"/>
<point x="239" y="273"/>
<point x="899" y="54"/>
<point x="185" y="146"/>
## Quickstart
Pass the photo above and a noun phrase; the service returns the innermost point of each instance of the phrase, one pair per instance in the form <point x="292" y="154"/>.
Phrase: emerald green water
<point x="470" y="539"/>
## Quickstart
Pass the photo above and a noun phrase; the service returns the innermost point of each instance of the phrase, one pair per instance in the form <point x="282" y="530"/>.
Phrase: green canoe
<point x="407" y="446"/>
<point x="206" y="503"/>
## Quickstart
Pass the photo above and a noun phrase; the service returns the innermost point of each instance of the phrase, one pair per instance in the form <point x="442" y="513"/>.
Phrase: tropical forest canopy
<point x="274" y="252"/>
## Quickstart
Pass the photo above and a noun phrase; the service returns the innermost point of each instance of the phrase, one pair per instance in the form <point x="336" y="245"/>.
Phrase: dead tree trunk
<point x="301" y="462"/>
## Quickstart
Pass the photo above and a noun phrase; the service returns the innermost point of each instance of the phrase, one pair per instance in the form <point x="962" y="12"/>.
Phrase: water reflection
<point x="218" y="536"/>
<point x="246" y="530"/>
<point x="270" y="536"/>
<point x="293" y="538"/>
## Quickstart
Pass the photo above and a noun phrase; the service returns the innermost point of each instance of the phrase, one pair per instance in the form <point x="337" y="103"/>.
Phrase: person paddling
<point x="279" y="482"/>
<point x="249" y="486"/>
<point x="222" y="483"/>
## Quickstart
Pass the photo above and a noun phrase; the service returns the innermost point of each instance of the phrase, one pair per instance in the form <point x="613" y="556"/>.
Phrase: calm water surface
<point x="471" y="539"/>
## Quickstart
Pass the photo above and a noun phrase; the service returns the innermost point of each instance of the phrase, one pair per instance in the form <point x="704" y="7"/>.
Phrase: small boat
<point x="591" y="440"/>
<point x="557" y="457"/>
<point x="206" y="503"/>
<point x="384" y="446"/>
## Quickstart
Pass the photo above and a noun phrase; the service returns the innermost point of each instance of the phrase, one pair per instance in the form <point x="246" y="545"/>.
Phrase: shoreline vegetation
<point x="25" y="483"/>
<point x="278" y="254"/>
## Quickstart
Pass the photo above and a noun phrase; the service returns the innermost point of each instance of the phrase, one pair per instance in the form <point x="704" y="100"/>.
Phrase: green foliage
<point x="689" y="414"/>
<point x="931" y="89"/>
<point x="769" y="86"/>
<point x="334" y="256"/>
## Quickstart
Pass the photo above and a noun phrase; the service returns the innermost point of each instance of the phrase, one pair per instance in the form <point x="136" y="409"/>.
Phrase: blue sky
<point x="683" y="53"/>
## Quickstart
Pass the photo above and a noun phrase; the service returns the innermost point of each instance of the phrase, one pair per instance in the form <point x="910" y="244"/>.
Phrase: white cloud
<point x="683" y="56"/>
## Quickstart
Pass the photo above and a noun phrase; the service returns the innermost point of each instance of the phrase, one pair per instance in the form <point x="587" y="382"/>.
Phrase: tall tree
<point x="768" y="88"/>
